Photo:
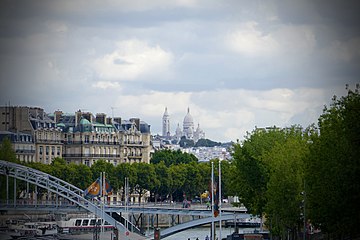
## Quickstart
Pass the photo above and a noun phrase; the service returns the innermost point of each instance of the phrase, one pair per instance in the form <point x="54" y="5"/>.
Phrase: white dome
<point x="188" y="119"/>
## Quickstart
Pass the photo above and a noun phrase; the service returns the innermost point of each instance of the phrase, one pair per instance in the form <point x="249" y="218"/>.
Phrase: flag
<point x="108" y="188"/>
<point x="216" y="197"/>
<point x="94" y="189"/>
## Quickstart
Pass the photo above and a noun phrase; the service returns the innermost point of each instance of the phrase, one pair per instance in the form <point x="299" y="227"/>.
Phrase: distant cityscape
<point x="83" y="137"/>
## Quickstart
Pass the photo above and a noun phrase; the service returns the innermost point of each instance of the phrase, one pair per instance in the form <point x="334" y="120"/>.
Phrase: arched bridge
<point x="76" y="198"/>
<point x="61" y="188"/>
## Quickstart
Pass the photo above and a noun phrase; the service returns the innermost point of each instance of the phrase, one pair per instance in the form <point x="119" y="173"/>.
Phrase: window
<point x="53" y="150"/>
<point x="40" y="150"/>
<point x="86" y="162"/>
<point x="47" y="150"/>
<point x="78" y="222"/>
<point x="87" y="151"/>
<point x="58" y="151"/>
<point x="85" y="222"/>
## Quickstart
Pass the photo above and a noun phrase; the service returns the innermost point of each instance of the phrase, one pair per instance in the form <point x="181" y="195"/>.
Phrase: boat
<point x="33" y="229"/>
<point x="254" y="235"/>
<point x="82" y="224"/>
<point x="243" y="223"/>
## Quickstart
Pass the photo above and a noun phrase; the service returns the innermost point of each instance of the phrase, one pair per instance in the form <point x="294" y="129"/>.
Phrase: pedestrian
<point x="207" y="237"/>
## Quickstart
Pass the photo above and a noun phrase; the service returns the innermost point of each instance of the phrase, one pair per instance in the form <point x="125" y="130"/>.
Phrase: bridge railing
<point x="55" y="185"/>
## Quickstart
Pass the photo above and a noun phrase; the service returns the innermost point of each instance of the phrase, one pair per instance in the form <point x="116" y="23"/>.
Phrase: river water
<point x="191" y="234"/>
<point x="202" y="232"/>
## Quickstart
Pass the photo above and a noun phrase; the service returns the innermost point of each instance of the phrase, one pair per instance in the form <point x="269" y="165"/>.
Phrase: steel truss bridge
<point x="76" y="202"/>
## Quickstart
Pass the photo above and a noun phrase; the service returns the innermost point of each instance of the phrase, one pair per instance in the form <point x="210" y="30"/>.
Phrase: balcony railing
<point x="91" y="142"/>
<point x="135" y="156"/>
<point x="75" y="155"/>
<point x="25" y="151"/>
<point x="48" y="141"/>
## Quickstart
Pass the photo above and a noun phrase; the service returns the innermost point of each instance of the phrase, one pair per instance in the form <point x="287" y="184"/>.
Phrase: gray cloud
<point x="186" y="53"/>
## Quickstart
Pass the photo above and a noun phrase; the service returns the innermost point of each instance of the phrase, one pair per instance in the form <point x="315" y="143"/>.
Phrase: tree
<point x="60" y="169"/>
<point x="186" y="143"/>
<point x="82" y="175"/>
<point x="250" y="179"/>
<point x="286" y="182"/>
<point x="226" y="169"/>
<point x="177" y="175"/>
<point x="146" y="178"/>
<point x="122" y="171"/>
<point x="7" y="153"/>
<point x="333" y="169"/>
<point x="170" y="157"/>
<point x="165" y="156"/>
<point x="251" y="175"/>
<point x="193" y="180"/>
<point x="205" y="172"/>
<point x="162" y="176"/>
<point x="102" y="166"/>
<point x="206" y="143"/>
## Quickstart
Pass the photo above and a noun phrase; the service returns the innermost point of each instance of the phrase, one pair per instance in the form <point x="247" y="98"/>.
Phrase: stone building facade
<point x="34" y="135"/>
<point x="79" y="138"/>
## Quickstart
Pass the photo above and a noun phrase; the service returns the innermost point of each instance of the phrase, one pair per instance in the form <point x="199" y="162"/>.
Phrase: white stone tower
<point x="166" y="124"/>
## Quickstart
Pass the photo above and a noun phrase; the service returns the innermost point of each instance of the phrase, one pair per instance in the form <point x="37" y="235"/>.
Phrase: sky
<point x="235" y="64"/>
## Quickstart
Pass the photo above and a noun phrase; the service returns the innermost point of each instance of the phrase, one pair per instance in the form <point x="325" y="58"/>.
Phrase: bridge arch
<point x="61" y="188"/>
<point x="198" y="222"/>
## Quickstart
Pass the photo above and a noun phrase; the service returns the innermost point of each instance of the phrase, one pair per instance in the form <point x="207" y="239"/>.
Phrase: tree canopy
<point x="333" y="169"/>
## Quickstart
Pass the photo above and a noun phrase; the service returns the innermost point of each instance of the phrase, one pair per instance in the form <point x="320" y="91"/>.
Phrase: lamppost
<point x="304" y="237"/>
<point x="220" y="200"/>
<point x="303" y="205"/>
<point x="212" y="202"/>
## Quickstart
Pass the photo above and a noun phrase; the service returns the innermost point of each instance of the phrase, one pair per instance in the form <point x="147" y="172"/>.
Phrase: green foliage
<point x="207" y="143"/>
<point x="333" y="169"/>
<point x="162" y="176"/>
<point x="60" y="169"/>
<point x="177" y="177"/>
<point x="82" y="176"/>
<point x="122" y="171"/>
<point x="7" y="153"/>
<point x="193" y="179"/>
<point x="186" y="143"/>
<point x="146" y="178"/>
<point x="251" y="175"/>
<point x="227" y="169"/>
<point x="269" y="175"/>
<point x="286" y="182"/>
<point x="169" y="157"/>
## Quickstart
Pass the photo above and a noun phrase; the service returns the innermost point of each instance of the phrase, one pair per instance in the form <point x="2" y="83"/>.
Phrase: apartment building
<point x="33" y="134"/>
<point x="80" y="137"/>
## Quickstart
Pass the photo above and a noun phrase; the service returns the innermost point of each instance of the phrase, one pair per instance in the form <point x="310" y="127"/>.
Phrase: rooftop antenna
<point x="112" y="112"/>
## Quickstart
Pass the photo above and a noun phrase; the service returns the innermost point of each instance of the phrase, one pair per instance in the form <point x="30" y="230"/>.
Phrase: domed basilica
<point x="187" y="131"/>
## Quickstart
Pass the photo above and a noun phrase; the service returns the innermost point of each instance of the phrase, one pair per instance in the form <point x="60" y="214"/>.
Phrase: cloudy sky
<point x="236" y="64"/>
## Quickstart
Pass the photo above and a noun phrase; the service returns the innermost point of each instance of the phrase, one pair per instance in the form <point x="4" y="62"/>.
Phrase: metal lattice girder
<point x="61" y="188"/>
<point x="198" y="222"/>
